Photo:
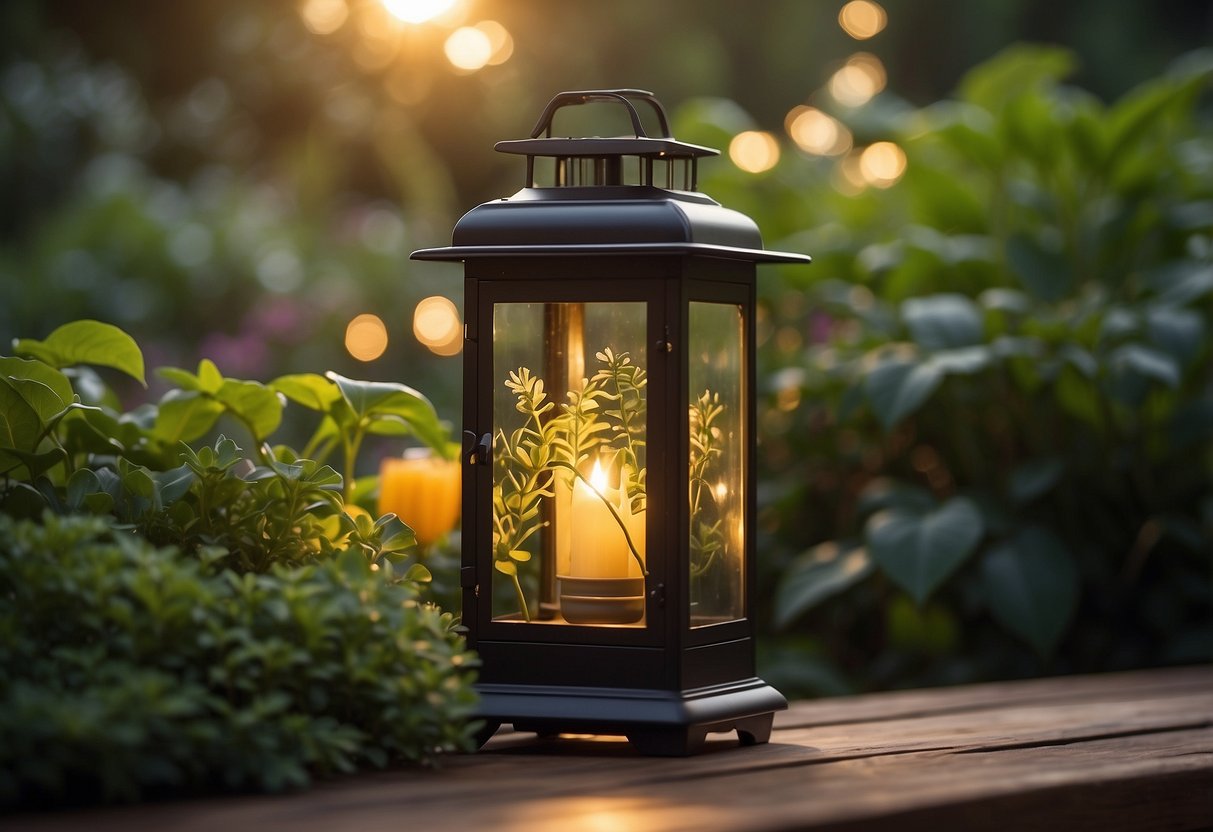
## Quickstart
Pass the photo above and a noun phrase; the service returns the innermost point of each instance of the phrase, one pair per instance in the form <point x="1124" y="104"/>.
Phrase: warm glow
<point x="436" y="325"/>
<point x="468" y="48"/>
<point x="417" y="11"/>
<point x="882" y="164"/>
<point x="858" y="80"/>
<point x="861" y="19"/>
<point x="598" y="478"/>
<point x="754" y="151"/>
<point x="500" y="41"/>
<point x="817" y="133"/>
<point x="323" y="17"/>
<point x="849" y="179"/>
<point x="366" y="337"/>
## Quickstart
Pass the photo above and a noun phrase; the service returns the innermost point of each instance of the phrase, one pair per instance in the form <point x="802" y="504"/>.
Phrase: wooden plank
<point x="1123" y="751"/>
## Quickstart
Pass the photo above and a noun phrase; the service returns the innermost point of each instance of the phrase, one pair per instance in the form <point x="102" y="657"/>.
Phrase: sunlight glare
<point x="417" y="11"/>
<point x="862" y="19"/>
<point x="500" y="41"/>
<point x="366" y="337"/>
<point x="754" y="151"/>
<point x="323" y="17"/>
<point x="468" y="48"/>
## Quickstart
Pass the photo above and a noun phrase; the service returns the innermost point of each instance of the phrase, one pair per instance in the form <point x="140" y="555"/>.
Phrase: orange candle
<point x="423" y="491"/>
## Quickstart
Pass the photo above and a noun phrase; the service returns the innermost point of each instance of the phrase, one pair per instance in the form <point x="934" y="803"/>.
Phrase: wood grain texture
<point x="1112" y="752"/>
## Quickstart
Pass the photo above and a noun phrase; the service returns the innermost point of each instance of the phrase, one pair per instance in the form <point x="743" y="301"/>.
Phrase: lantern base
<point x="657" y="723"/>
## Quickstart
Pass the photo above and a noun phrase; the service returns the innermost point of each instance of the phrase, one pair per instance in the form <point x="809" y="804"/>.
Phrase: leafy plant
<point x="986" y="427"/>
<point x="76" y="451"/>
<point x="128" y="670"/>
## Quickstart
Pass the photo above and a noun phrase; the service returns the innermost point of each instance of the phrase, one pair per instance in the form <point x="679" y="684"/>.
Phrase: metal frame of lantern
<point x="611" y="245"/>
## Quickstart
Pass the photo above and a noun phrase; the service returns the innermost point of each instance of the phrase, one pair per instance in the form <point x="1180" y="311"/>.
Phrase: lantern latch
<point x="478" y="453"/>
<point x="657" y="595"/>
<point x="467" y="577"/>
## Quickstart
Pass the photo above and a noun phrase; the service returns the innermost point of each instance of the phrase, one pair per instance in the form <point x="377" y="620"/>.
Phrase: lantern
<point x="608" y="546"/>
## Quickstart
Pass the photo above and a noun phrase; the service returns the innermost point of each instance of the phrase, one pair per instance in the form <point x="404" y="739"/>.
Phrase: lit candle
<point x="598" y="548"/>
<point x="423" y="491"/>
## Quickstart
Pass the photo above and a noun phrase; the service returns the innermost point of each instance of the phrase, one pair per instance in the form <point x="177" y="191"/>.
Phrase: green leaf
<point x="20" y="426"/>
<point x="1034" y="478"/>
<point x="816" y="575"/>
<point x="1042" y="271"/>
<point x="1032" y="588"/>
<point x="1139" y="111"/>
<point x="1178" y="332"/>
<point x="45" y="401"/>
<point x="505" y="567"/>
<point x="208" y="379"/>
<point x="943" y="321"/>
<point x="80" y="485"/>
<point x="257" y="406"/>
<point x="392" y="402"/>
<point x="37" y="463"/>
<point x="308" y="389"/>
<point x="185" y="415"/>
<point x="919" y="550"/>
<point x="1136" y="358"/>
<point x="418" y="573"/>
<point x="1013" y="71"/>
<point x="21" y="368"/>
<point x="87" y="342"/>
<point x="896" y="389"/>
<point x="173" y="484"/>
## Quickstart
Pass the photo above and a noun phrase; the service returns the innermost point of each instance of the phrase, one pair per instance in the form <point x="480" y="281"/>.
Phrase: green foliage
<point x="279" y="507"/>
<point x="990" y="395"/>
<point x="128" y="671"/>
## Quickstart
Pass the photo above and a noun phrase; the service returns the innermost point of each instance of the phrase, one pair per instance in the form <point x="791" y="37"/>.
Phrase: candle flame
<point x="598" y="478"/>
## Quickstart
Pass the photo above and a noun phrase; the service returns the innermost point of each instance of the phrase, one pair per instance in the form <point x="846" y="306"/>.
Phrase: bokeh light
<point x="418" y="11"/>
<point x="500" y="41"/>
<point x="817" y="133"/>
<point x="861" y="19"/>
<point x="366" y="337"/>
<point x="856" y="81"/>
<point x="436" y="325"/>
<point x="754" y="151"/>
<point x="468" y="48"/>
<point x="323" y="17"/>
<point x="882" y="164"/>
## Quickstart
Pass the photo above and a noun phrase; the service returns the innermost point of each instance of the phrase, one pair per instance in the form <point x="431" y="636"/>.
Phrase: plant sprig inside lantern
<point x="605" y="418"/>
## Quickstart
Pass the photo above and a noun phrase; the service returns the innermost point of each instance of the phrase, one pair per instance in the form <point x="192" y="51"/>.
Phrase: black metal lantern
<point x="608" y="554"/>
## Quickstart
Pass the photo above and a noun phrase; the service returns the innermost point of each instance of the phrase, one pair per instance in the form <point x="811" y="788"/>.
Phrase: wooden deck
<point x="1123" y="751"/>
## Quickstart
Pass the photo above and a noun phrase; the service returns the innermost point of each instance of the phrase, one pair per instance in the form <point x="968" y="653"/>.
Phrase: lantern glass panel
<point x="569" y="435"/>
<point x="717" y="416"/>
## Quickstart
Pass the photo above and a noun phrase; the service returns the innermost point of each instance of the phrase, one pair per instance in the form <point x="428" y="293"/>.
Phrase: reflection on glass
<point x="716" y="464"/>
<point x="569" y="416"/>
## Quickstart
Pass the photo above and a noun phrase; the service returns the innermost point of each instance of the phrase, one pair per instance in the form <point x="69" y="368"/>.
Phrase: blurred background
<point x="244" y="182"/>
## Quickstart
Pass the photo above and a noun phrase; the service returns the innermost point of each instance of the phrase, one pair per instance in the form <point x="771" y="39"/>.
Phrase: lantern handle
<point x="572" y="98"/>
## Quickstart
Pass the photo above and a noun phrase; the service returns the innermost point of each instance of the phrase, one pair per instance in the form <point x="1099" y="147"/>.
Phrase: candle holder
<point x="609" y="417"/>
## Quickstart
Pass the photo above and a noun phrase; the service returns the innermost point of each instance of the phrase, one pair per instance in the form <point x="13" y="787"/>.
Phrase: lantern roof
<point x="608" y="196"/>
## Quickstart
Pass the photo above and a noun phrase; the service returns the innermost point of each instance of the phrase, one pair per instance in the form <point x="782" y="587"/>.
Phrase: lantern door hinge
<point x="664" y="344"/>
<point x="657" y="596"/>
<point x="467" y="577"/>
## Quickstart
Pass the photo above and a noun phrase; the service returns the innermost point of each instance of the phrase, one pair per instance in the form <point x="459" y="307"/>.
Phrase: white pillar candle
<point x="598" y="548"/>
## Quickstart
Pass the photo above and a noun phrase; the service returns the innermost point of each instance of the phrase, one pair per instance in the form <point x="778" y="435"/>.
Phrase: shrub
<point x="128" y="670"/>
<point x="987" y="418"/>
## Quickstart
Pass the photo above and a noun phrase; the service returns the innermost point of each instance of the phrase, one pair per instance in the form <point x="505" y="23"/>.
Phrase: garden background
<point x="986" y="411"/>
